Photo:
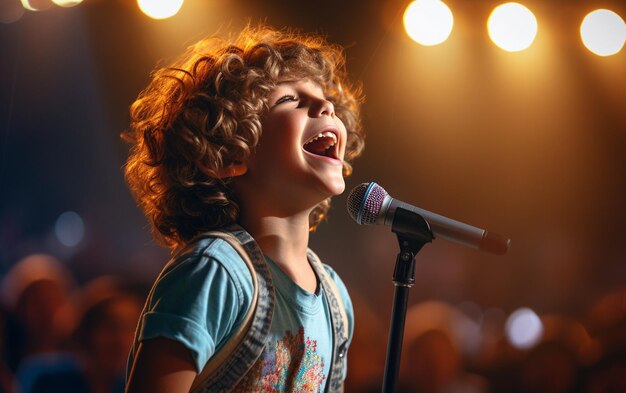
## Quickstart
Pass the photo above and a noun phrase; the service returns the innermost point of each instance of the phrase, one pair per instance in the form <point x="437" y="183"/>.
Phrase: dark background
<point x="529" y="144"/>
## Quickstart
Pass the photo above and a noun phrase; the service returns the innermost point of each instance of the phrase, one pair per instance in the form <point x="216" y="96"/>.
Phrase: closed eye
<point x="286" y="98"/>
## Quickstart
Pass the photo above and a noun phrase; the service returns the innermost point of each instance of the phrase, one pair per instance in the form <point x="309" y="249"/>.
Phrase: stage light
<point x="160" y="9"/>
<point x="69" y="229"/>
<point x="67" y="3"/>
<point x="603" y="32"/>
<point x="10" y="11"/>
<point x="512" y="27"/>
<point x="523" y="328"/>
<point x="428" y="22"/>
<point x="36" y="5"/>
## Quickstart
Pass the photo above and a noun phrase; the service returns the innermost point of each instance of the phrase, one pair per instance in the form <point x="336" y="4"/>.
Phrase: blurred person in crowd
<point x="551" y="364"/>
<point x="432" y="358"/>
<point x="607" y="357"/>
<point x="35" y="290"/>
<point x="108" y="314"/>
<point x="550" y="367"/>
<point x="435" y="365"/>
<point x="554" y="364"/>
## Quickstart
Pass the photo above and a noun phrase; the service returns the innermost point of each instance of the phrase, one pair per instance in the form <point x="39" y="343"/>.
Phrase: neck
<point x="284" y="239"/>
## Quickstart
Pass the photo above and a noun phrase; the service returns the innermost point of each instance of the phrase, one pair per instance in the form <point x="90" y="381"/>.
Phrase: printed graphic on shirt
<point x="288" y="365"/>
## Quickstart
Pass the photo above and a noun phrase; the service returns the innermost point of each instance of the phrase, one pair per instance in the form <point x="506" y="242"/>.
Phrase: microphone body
<point x="369" y="204"/>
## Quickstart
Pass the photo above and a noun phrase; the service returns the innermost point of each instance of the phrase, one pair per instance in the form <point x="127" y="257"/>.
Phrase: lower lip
<point x="330" y="160"/>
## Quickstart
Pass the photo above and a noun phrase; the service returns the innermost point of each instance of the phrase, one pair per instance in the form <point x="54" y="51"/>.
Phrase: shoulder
<point x="207" y="269"/>
<point x="207" y="259"/>
<point x="207" y="251"/>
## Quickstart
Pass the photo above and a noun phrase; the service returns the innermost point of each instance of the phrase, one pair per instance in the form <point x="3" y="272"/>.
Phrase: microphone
<point x="369" y="203"/>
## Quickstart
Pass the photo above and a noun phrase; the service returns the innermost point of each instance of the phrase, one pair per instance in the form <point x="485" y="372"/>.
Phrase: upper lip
<point x="328" y="128"/>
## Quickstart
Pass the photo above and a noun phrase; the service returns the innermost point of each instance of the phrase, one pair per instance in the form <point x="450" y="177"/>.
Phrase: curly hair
<point x="204" y="112"/>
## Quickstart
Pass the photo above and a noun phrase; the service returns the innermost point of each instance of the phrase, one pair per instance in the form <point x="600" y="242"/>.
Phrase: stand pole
<point x="411" y="238"/>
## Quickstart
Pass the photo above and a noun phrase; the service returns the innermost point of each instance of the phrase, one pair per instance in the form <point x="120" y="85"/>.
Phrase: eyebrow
<point x="293" y="82"/>
<point x="296" y="81"/>
<point x="286" y="82"/>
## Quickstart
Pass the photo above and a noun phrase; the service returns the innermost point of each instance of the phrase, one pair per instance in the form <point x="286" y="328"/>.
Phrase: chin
<point x="337" y="187"/>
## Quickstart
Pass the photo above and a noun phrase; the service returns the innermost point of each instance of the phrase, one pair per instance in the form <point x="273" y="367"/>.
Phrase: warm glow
<point x="603" y="32"/>
<point x="67" y="3"/>
<point x="512" y="27"/>
<point x="524" y="328"/>
<point x="428" y="22"/>
<point x="36" y="5"/>
<point x="10" y="12"/>
<point x="160" y="9"/>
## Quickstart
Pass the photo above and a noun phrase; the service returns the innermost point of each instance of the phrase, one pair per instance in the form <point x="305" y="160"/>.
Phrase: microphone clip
<point x="411" y="238"/>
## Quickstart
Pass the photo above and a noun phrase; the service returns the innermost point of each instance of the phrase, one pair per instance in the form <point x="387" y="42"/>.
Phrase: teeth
<point x="325" y="134"/>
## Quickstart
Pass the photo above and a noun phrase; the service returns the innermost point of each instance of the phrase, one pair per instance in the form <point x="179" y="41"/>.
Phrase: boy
<point x="255" y="132"/>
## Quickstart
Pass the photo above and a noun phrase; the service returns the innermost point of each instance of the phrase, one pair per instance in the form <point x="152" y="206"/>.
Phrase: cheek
<point x="280" y="136"/>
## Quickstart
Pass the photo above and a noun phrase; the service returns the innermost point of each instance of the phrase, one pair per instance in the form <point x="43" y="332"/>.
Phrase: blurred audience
<point x="553" y="364"/>
<point x="56" y="338"/>
<point x="433" y="361"/>
<point x="366" y="357"/>
<point x="550" y="367"/>
<point x="104" y="332"/>
<point x="606" y="372"/>
<point x="436" y="366"/>
<point x="34" y="291"/>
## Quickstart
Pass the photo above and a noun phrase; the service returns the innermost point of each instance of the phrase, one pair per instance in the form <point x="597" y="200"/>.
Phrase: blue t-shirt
<point x="201" y="298"/>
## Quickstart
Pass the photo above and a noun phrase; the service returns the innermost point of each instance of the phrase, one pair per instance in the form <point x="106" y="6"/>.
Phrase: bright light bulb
<point x="67" y="3"/>
<point x="603" y="32"/>
<point x="160" y="9"/>
<point x="512" y="27"/>
<point x="428" y="22"/>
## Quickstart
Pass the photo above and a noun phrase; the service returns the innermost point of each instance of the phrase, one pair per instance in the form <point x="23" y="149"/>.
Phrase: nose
<point x="324" y="107"/>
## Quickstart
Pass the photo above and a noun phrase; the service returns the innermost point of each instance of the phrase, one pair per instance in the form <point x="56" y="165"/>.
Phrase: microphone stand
<point x="411" y="238"/>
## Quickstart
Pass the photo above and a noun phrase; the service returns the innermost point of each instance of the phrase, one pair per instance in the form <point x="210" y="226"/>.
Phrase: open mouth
<point x="323" y="144"/>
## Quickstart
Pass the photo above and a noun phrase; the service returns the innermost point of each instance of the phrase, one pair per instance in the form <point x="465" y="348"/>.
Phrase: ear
<point x="232" y="170"/>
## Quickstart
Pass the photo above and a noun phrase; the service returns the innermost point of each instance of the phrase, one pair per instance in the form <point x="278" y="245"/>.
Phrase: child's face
<point x="301" y="150"/>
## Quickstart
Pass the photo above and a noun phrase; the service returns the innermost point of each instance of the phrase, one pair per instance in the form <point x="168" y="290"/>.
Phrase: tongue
<point x="318" y="146"/>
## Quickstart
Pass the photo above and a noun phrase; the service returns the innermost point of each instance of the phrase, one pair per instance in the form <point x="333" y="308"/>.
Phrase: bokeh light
<point x="603" y="32"/>
<point x="428" y="22"/>
<point x="67" y="3"/>
<point x="160" y="9"/>
<point x="36" y="5"/>
<point x="512" y="27"/>
<point x="10" y="11"/>
<point x="69" y="229"/>
<point x="524" y="328"/>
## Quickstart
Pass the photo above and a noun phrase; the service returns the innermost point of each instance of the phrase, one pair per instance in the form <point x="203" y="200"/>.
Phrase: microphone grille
<point x="365" y="203"/>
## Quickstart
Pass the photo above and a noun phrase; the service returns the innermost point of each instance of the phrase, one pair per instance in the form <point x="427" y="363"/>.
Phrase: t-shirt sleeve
<point x="198" y="300"/>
